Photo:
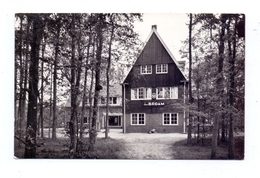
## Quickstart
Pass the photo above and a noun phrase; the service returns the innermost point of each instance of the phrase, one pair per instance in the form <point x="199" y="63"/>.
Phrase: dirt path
<point x="147" y="146"/>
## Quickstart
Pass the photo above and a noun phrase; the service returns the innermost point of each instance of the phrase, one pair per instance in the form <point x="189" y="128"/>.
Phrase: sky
<point x="172" y="27"/>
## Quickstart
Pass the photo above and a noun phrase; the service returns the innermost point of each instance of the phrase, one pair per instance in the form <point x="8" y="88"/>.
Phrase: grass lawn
<point x="202" y="152"/>
<point x="115" y="149"/>
<point x="59" y="149"/>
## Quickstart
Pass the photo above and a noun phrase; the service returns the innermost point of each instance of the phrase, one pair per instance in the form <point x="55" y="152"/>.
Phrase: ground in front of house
<point x="137" y="146"/>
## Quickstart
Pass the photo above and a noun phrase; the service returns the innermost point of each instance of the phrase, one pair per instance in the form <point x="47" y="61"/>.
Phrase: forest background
<point x="252" y="99"/>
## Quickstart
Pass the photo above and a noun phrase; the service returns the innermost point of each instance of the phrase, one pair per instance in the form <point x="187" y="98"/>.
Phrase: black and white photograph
<point x="129" y="86"/>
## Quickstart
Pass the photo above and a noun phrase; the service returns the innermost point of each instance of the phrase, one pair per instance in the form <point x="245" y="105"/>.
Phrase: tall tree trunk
<point x="21" y="94"/>
<point x="54" y="121"/>
<point x="42" y="78"/>
<point x="107" y="74"/>
<point x="30" y="149"/>
<point x="98" y="87"/>
<point x="85" y="88"/>
<point x="190" y="90"/>
<point x="90" y="97"/>
<point x="73" y="118"/>
<point x="219" y="88"/>
<point x="231" y="91"/>
<point x="50" y="116"/>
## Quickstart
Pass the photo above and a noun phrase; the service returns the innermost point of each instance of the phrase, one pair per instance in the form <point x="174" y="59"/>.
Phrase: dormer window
<point x="146" y="69"/>
<point x="161" y="68"/>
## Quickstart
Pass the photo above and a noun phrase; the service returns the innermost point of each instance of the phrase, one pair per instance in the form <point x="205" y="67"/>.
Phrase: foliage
<point x="202" y="151"/>
<point x="58" y="149"/>
<point x="217" y="81"/>
<point x="66" y="49"/>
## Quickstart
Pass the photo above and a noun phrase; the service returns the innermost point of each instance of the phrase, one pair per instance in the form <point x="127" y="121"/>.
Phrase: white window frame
<point x="136" y="93"/>
<point x="138" y="119"/>
<point x="161" y="67"/>
<point x="144" y="69"/>
<point x="170" y="119"/>
<point x="111" y="101"/>
<point x="173" y="93"/>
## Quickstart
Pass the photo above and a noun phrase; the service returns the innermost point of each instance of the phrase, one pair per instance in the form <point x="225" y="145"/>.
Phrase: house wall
<point x="101" y="110"/>
<point x="154" y="115"/>
<point x="154" y="121"/>
<point x="154" y="53"/>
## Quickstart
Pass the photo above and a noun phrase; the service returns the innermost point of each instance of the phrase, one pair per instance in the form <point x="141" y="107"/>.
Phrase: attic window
<point x="146" y="69"/>
<point x="161" y="68"/>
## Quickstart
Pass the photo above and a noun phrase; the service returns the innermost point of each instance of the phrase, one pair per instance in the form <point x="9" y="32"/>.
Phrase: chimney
<point x="154" y="27"/>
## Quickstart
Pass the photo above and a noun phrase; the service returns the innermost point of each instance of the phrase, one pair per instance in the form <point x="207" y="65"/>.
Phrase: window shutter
<point x="149" y="93"/>
<point x="133" y="94"/>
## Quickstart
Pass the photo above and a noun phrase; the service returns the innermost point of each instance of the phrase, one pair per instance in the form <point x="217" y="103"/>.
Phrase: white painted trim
<point x="146" y="67"/>
<point x="132" y="90"/>
<point x="171" y="97"/>
<point x="161" y="69"/>
<point x="170" y="119"/>
<point x="138" y="119"/>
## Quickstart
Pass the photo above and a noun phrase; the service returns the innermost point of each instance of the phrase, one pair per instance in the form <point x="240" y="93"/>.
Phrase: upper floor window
<point x="167" y="93"/>
<point x="113" y="100"/>
<point x="162" y="68"/>
<point x="141" y="93"/>
<point x="146" y="69"/>
<point x="86" y="120"/>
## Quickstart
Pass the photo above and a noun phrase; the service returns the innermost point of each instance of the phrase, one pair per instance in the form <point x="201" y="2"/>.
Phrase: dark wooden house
<point x="154" y="90"/>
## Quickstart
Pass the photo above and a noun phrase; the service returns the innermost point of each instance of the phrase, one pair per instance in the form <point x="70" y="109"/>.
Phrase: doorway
<point x="114" y="121"/>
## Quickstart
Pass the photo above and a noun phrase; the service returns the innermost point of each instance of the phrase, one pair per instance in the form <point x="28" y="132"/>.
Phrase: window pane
<point x="164" y="68"/>
<point x="141" y="118"/>
<point x="159" y="92"/>
<point x="167" y="92"/>
<point x="134" y="93"/>
<point x="114" y="100"/>
<point x="166" y="119"/>
<point x="148" y="93"/>
<point x="134" y="118"/>
<point x="141" y="93"/>
<point x="149" y="69"/>
<point x="142" y="69"/>
<point x="173" y="118"/>
<point x="85" y="120"/>
<point x="158" y="68"/>
<point x="174" y="92"/>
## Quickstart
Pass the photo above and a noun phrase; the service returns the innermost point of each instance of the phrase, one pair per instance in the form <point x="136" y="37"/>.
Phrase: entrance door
<point x="114" y="121"/>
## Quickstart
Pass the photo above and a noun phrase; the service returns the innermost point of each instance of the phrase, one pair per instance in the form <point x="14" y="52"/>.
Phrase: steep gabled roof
<point x="154" y="31"/>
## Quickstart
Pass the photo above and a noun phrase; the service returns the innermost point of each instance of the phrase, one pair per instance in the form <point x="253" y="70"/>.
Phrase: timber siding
<point x="154" y="53"/>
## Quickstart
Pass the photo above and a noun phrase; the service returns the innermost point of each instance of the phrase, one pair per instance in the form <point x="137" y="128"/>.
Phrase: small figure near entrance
<point x="152" y="131"/>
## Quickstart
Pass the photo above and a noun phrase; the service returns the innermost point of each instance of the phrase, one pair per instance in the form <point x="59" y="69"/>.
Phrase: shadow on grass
<point x="201" y="151"/>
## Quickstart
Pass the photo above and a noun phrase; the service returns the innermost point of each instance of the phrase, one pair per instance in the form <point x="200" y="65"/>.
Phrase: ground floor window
<point x="138" y="119"/>
<point x="114" y="120"/>
<point x="170" y="119"/>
